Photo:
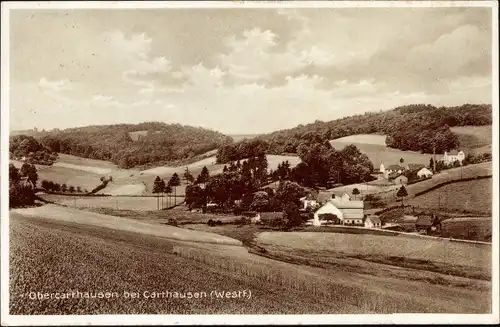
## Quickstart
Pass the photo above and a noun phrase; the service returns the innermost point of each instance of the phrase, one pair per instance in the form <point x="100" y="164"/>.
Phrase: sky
<point x="241" y="71"/>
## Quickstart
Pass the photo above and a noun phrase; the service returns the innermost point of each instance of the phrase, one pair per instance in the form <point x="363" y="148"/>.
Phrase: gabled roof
<point x="395" y="167"/>
<point x="453" y="152"/>
<point x="347" y="204"/>
<point x="424" y="221"/>
<point x="395" y="175"/>
<point x="374" y="219"/>
<point x="415" y="166"/>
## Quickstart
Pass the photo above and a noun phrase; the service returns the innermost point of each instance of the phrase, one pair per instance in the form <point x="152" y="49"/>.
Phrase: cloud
<point x="54" y="86"/>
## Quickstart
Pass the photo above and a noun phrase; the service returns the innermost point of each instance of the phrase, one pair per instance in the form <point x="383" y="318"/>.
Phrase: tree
<point x="401" y="160"/>
<point x="14" y="175"/>
<point x="157" y="190"/>
<point x="71" y="189"/>
<point x="57" y="187"/>
<point x="203" y="176"/>
<point x="32" y="176"/>
<point x="174" y="182"/>
<point x="79" y="189"/>
<point x="161" y="188"/>
<point x="260" y="201"/>
<point x="188" y="177"/>
<point x="46" y="185"/>
<point x="291" y="214"/>
<point x="64" y="187"/>
<point x="195" y="196"/>
<point x="288" y="192"/>
<point x="355" y="192"/>
<point x="402" y="193"/>
<point x="431" y="163"/>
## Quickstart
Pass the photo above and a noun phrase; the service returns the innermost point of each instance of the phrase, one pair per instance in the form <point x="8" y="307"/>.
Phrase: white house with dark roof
<point x="452" y="156"/>
<point x="373" y="222"/>
<point x="347" y="211"/>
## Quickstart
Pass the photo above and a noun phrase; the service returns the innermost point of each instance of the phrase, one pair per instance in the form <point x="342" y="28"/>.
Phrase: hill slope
<point x="410" y="127"/>
<point x="159" y="143"/>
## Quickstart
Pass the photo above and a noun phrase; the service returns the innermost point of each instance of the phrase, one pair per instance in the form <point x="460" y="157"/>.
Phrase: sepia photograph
<point x="249" y="162"/>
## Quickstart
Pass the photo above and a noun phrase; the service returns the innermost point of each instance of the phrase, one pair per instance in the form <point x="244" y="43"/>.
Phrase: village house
<point x="310" y="200"/>
<point x="398" y="179"/>
<point x="395" y="169"/>
<point x="428" y="225"/>
<point x="424" y="173"/>
<point x="347" y="211"/>
<point x="452" y="156"/>
<point x="373" y="222"/>
<point x="415" y="167"/>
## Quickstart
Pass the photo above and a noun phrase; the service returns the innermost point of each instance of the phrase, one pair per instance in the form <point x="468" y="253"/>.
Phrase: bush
<point x="172" y="221"/>
<point x="21" y="195"/>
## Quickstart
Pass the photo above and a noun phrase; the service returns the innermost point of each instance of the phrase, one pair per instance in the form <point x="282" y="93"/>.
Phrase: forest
<point x="414" y="127"/>
<point x="161" y="143"/>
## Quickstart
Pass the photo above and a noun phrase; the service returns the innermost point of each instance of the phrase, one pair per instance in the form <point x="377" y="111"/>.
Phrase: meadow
<point x="374" y="147"/>
<point x="471" y="228"/>
<point x="470" y="196"/>
<point x="137" y="203"/>
<point x="473" y="137"/>
<point x="458" y="259"/>
<point x="120" y="254"/>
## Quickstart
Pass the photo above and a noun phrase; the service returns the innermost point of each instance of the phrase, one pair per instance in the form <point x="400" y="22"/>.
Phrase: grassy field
<point x="471" y="196"/>
<point x="466" y="260"/>
<point x="139" y="203"/>
<point x="471" y="228"/>
<point x="50" y="258"/>
<point x="54" y="249"/>
<point x="472" y="137"/>
<point x="374" y="147"/>
<point x="63" y="175"/>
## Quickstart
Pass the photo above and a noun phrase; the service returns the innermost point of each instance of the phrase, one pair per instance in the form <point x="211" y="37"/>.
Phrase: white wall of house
<point x="370" y="224"/>
<point x="326" y="208"/>
<point x="449" y="159"/>
<point x="424" y="172"/>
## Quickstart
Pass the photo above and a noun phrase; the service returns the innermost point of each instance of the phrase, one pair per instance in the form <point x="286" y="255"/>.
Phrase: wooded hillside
<point x="162" y="143"/>
<point x="413" y="127"/>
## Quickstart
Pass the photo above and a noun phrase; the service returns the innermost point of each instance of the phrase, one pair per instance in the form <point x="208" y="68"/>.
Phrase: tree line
<point x="27" y="147"/>
<point x="414" y="127"/>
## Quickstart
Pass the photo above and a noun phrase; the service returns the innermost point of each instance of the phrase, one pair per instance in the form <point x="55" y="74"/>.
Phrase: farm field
<point x="79" y="161"/>
<point x="54" y="212"/>
<point x="374" y="147"/>
<point x="69" y="176"/>
<point x="473" y="137"/>
<point x="476" y="228"/>
<point x="473" y="196"/>
<point x="138" y="203"/>
<point x="443" y="256"/>
<point x="118" y="258"/>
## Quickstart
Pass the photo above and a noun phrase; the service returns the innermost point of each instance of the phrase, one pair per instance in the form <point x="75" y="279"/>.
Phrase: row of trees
<point x="160" y="187"/>
<point x="152" y="143"/>
<point x="50" y="186"/>
<point x="413" y="127"/>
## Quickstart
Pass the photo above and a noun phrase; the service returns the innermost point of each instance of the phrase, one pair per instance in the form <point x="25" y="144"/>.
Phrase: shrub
<point x="172" y="221"/>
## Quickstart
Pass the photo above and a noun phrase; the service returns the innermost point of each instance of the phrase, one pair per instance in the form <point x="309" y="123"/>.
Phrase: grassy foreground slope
<point x="51" y="253"/>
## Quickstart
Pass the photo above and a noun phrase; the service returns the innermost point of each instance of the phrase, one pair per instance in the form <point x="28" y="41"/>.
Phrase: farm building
<point x="452" y="156"/>
<point x="398" y="179"/>
<point x="395" y="169"/>
<point x="424" y="173"/>
<point x="309" y="200"/>
<point x="428" y="225"/>
<point x="253" y="216"/>
<point x="415" y="167"/>
<point x="347" y="211"/>
<point x="373" y="222"/>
